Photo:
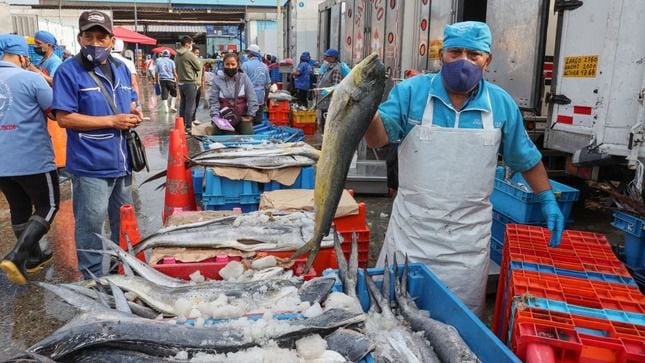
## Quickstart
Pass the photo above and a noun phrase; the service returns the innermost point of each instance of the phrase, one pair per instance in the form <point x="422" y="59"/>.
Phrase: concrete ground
<point x="28" y="314"/>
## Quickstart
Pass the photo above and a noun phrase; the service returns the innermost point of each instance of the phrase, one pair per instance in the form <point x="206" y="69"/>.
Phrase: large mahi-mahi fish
<point x="353" y="105"/>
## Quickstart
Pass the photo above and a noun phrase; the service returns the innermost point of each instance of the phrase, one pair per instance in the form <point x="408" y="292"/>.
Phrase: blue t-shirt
<point x="50" y="64"/>
<point x="165" y="68"/>
<point x="406" y="102"/>
<point x="25" y="145"/>
<point x="344" y="69"/>
<point x="259" y="75"/>
<point x="303" y="81"/>
<point x="100" y="153"/>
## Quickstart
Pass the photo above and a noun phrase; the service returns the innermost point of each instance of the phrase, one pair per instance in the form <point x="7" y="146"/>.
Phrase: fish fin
<point x="352" y="269"/>
<point x="385" y="288"/>
<point x="159" y="175"/>
<point x="375" y="301"/>
<point x="120" y="302"/>
<point x="397" y="284"/>
<point x="160" y="186"/>
<point x="340" y="259"/>
<point x="116" y="249"/>
<point x="73" y="298"/>
<point x="312" y="247"/>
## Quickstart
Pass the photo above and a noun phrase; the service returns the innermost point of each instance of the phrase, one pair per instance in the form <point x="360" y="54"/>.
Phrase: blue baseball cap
<point x="331" y="52"/>
<point x="13" y="44"/>
<point x="472" y="35"/>
<point x="46" y="37"/>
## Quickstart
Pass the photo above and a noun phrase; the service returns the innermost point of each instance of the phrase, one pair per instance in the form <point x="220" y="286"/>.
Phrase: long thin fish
<point x="352" y="108"/>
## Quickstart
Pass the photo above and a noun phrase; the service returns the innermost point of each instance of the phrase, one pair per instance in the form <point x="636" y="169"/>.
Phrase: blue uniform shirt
<point x="407" y="101"/>
<point x="165" y="68"/>
<point x="100" y="153"/>
<point x="259" y="75"/>
<point x="303" y="81"/>
<point x="25" y="145"/>
<point x="50" y="64"/>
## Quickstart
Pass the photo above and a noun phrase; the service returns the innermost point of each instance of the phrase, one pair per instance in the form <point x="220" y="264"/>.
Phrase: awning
<point x="130" y="36"/>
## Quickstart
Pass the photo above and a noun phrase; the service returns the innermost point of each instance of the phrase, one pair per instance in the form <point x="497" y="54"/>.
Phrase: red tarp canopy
<point x="130" y="36"/>
<point x="161" y="49"/>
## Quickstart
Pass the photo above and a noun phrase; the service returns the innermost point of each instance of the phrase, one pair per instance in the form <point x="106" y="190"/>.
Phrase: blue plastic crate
<point x="496" y="250"/>
<point x="629" y="223"/>
<point x="245" y="208"/>
<point x="521" y="205"/>
<point x="275" y="75"/>
<point x="198" y="182"/>
<point x="220" y="191"/>
<point x="431" y="294"/>
<point x="498" y="227"/>
<point x="587" y="275"/>
<point x="305" y="180"/>
<point x="634" y="249"/>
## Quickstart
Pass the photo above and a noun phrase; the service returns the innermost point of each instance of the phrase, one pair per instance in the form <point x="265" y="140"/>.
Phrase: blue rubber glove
<point x="554" y="217"/>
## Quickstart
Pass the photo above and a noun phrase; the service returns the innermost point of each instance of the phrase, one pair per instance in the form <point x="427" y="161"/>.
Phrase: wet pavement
<point x="28" y="314"/>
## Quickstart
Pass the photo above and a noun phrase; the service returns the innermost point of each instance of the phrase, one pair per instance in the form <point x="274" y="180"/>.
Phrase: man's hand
<point x="246" y="118"/>
<point x="553" y="215"/>
<point x="124" y="121"/>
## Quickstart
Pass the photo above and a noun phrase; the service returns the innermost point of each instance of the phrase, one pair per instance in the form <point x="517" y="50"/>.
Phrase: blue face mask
<point x="94" y="54"/>
<point x="461" y="75"/>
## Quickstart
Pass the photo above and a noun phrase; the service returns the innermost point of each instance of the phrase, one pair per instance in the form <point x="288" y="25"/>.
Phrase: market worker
<point x="232" y="90"/>
<point x="28" y="177"/>
<point x="453" y="125"/>
<point x="258" y="73"/>
<point x="97" y="153"/>
<point x="45" y="44"/>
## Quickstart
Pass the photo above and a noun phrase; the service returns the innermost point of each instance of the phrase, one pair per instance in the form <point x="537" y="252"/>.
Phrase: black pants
<point x="167" y="86"/>
<point x="198" y="97"/>
<point x="301" y="95"/>
<point x="187" y="91"/>
<point x="25" y="193"/>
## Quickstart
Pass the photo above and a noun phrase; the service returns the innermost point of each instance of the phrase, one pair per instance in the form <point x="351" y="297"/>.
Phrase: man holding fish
<point x="442" y="215"/>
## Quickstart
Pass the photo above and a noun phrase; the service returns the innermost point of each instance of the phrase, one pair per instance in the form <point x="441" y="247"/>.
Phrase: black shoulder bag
<point x="137" y="151"/>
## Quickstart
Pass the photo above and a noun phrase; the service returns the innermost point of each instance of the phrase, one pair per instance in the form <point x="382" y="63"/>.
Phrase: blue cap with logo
<point x="13" y="44"/>
<point x="472" y="35"/>
<point x="331" y="52"/>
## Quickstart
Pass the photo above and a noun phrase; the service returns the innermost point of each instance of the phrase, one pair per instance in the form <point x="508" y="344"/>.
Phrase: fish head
<point x="370" y="69"/>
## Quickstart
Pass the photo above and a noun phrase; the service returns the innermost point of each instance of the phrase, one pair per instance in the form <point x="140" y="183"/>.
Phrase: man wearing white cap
<point x="452" y="126"/>
<point x="117" y="52"/>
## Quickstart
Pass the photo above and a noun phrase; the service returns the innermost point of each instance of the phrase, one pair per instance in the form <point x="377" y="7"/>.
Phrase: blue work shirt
<point x="25" y="145"/>
<point x="50" y="64"/>
<point x="303" y="81"/>
<point x="406" y="102"/>
<point x="100" y="153"/>
<point x="259" y="75"/>
<point x="344" y="69"/>
<point x="165" y="68"/>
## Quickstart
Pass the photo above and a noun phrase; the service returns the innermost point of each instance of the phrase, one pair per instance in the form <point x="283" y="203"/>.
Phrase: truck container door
<point x="359" y="31"/>
<point x="392" y="35"/>
<point x="347" y="52"/>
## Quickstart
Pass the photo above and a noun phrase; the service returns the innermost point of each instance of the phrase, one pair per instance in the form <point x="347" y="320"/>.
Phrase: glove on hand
<point x="553" y="215"/>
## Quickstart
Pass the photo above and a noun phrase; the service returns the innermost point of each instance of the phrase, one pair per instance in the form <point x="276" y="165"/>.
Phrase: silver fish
<point x="257" y="162"/>
<point x="259" y="150"/>
<point x="352" y="108"/>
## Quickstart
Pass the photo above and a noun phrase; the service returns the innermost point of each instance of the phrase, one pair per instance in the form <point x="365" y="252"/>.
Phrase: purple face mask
<point x="461" y="75"/>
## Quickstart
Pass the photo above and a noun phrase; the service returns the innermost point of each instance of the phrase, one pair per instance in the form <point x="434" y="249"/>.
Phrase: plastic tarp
<point x="130" y="36"/>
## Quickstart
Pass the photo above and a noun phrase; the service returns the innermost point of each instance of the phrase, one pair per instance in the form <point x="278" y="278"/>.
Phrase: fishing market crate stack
<point x="633" y="249"/>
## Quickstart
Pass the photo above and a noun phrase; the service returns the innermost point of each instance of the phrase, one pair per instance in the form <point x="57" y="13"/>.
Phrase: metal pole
<point x="136" y="45"/>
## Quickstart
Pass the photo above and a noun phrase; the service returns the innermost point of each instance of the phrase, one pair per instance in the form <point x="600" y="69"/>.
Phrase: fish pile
<point x="324" y="327"/>
<point x="258" y="156"/>
<point x="353" y="105"/>
<point x="254" y="231"/>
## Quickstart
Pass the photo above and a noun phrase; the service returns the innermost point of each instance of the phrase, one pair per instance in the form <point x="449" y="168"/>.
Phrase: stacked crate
<point x="514" y="203"/>
<point x="279" y="112"/>
<point x="304" y="120"/>
<point x="576" y="302"/>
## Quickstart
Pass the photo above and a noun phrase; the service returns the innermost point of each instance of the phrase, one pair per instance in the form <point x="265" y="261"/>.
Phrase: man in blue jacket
<point x="453" y="125"/>
<point x="97" y="154"/>
<point x="258" y="72"/>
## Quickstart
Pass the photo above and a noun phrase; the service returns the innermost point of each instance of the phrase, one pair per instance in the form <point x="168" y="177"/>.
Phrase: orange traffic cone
<point x="179" y="189"/>
<point x="129" y="229"/>
<point x="179" y="125"/>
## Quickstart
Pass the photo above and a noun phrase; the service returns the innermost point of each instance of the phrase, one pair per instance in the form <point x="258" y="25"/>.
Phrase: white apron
<point x="441" y="215"/>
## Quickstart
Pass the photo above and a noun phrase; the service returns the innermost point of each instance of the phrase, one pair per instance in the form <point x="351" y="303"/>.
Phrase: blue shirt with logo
<point x="165" y="68"/>
<point x="25" y="145"/>
<point x="100" y="153"/>
<point x="259" y="75"/>
<point x="407" y="101"/>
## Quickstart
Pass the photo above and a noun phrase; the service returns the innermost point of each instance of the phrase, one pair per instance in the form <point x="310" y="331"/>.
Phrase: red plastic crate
<point x="356" y="223"/>
<point x="279" y="118"/>
<point x="570" y="338"/>
<point x="307" y="128"/>
<point x="574" y="291"/>
<point x="278" y="106"/>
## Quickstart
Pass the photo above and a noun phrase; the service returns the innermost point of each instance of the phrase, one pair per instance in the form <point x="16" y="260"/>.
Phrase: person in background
<point x="117" y="53"/>
<point x="200" y="82"/>
<point x="209" y="74"/>
<point x="97" y="152"/>
<point x="149" y="66"/>
<point x="302" y="79"/>
<point x="166" y="77"/>
<point x="45" y="45"/>
<point x="28" y="177"/>
<point x="328" y="80"/>
<point x="453" y="125"/>
<point x="259" y="75"/>
<point x="188" y="70"/>
<point x="233" y="90"/>
<point x="67" y="54"/>
<point x="267" y="59"/>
